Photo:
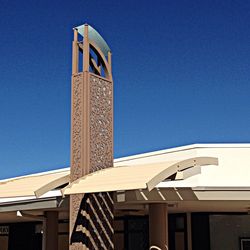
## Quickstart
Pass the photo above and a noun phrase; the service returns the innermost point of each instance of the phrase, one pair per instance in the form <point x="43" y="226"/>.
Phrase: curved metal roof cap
<point x="95" y="37"/>
<point x="145" y="176"/>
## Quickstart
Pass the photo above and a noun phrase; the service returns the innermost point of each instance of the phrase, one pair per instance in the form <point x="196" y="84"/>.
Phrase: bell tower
<point x="91" y="215"/>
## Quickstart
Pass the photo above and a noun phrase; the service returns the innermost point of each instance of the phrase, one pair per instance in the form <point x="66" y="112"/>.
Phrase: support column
<point x="189" y="231"/>
<point x="158" y="225"/>
<point x="51" y="230"/>
<point x="44" y="235"/>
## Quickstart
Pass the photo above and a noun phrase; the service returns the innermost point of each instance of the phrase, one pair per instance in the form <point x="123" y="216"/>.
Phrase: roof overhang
<point x="135" y="177"/>
<point x="32" y="185"/>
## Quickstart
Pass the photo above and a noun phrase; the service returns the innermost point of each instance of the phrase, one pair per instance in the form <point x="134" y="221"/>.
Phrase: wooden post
<point x="189" y="231"/>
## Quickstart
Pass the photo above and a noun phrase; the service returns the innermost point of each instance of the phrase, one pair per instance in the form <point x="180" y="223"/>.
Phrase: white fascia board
<point x="225" y="188"/>
<point x="182" y="148"/>
<point x="194" y="186"/>
<point x="50" y="194"/>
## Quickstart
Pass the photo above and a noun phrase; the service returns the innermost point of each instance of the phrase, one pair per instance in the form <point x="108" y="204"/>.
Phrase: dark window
<point x="131" y="233"/>
<point x="200" y="231"/>
<point x="244" y="243"/>
<point x="177" y="231"/>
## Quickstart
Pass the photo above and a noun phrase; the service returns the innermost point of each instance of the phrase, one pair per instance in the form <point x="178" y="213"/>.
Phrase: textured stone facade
<point x="101" y="123"/>
<point x="76" y="148"/>
<point x="76" y="127"/>
<point x="91" y="150"/>
<point x="92" y="124"/>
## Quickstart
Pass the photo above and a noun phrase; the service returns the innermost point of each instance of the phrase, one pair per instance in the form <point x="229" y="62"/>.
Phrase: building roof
<point x="232" y="172"/>
<point x="31" y="185"/>
<point x="142" y="176"/>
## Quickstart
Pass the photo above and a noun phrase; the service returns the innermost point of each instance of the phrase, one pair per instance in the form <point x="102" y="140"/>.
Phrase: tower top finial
<point x="94" y="36"/>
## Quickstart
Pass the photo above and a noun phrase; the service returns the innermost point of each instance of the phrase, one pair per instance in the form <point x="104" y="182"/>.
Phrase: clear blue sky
<point x="181" y="72"/>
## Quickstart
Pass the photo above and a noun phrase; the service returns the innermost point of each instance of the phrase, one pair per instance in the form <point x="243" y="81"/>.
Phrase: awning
<point x="145" y="176"/>
<point x="33" y="185"/>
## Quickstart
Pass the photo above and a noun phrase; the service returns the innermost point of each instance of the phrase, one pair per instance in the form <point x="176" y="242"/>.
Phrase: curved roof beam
<point x="52" y="185"/>
<point x="180" y="166"/>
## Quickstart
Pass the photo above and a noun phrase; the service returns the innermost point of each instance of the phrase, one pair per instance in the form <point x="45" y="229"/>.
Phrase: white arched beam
<point x="180" y="166"/>
<point x="52" y="185"/>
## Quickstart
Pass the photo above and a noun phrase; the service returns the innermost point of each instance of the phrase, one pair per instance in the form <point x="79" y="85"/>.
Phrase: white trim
<point x="182" y="148"/>
<point x="53" y="193"/>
